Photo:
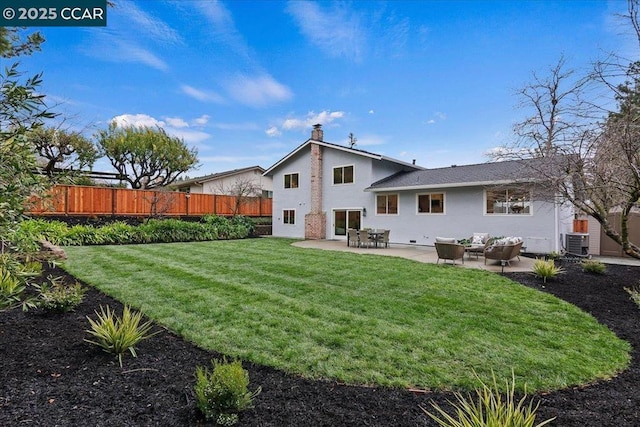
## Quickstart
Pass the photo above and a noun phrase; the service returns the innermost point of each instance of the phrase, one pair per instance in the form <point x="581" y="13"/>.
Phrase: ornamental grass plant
<point x="489" y="408"/>
<point x="546" y="269"/>
<point x="116" y="334"/>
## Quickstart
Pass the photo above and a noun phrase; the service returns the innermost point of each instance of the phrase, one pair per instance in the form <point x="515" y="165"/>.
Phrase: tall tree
<point x="148" y="157"/>
<point x="61" y="149"/>
<point x="591" y="156"/>
<point x="22" y="108"/>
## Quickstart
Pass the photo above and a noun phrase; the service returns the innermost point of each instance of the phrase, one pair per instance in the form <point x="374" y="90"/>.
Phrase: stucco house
<point x="322" y="189"/>
<point x="228" y="182"/>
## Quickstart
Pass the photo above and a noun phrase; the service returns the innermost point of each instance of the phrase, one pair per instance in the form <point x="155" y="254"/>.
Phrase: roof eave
<point x="445" y="185"/>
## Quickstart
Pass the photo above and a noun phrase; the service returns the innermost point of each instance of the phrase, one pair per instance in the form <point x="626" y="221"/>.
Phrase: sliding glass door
<point x="344" y="219"/>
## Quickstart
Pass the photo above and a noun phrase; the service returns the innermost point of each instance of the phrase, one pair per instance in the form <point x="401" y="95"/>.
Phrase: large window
<point x="508" y="201"/>
<point x="289" y="216"/>
<point x="387" y="204"/>
<point x="431" y="203"/>
<point x="343" y="175"/>
<point x="291" y="180"/>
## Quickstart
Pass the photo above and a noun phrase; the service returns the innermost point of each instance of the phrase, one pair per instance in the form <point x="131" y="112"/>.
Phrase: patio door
<point x="344" y="219"/>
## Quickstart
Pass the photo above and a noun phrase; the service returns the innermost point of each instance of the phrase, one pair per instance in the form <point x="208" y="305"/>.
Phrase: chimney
<point x="316" y="133"/>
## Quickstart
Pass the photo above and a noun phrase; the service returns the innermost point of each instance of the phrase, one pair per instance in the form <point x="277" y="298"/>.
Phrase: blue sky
<point x="244" y="81"/>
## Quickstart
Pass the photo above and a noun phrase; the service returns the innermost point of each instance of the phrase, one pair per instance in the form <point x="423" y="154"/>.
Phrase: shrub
<point x="59" y="297"/>
<point x="118" y="334"/>
<point x="593" y="266"/>
<point x="554" y="255"/>
<point x="14" y="278"/>
<point x="546" y="269"/>
<point x="635" y="294"/>
<point x="223" y="392"/>
<point x="490" y="409"/>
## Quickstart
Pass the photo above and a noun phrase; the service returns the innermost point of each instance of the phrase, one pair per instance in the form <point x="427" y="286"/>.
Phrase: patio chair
<point x="451" y="251"/>
<point x="365" y="239"/>
<point x="478" y="243"/>
<point x="353" y="238"/>
<point x="503" y="250"/>
<point x="384" y="238"/>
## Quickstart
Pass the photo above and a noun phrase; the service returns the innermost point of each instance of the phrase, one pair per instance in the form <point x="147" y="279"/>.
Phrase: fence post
<point x="215" y="211"/>
<point x="66" y="200"/>
<point x="114" y="201"/>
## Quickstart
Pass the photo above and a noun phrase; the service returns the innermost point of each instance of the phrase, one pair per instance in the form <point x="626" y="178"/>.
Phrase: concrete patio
<point x="421" y="254"/>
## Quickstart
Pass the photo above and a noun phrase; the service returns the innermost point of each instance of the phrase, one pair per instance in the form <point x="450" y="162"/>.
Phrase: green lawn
<point x="360" y="319"/>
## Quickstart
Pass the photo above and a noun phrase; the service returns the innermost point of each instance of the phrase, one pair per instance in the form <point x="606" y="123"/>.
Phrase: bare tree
<point x="588" y="156"/>
<point x="242" y="190"/>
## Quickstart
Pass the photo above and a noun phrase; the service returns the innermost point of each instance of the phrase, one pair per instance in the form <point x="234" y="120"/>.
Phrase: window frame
<point x="343" y="167"/>
<point x="387" y="195"/>
<point x="287" y="215"/>
<point x="290" y="175"/>
<point x="504" y="191"/>
<point x="444" y="198"/>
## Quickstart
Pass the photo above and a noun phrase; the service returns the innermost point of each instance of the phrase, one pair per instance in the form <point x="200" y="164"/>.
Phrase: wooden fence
<point x="99" y="201"/>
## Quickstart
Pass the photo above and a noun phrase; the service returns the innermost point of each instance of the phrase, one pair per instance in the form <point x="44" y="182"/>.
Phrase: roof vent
<point x="454" y="166"/>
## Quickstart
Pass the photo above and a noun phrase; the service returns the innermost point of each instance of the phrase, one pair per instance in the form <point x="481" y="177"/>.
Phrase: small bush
<point x="490" y="409"/>
<point x="593" y="266"/>
<point x="635" y="294"/>
<point x="223" y="392"/>
<point x="546" y="269"/>
<point x="59" y="297"/>
<point x="554" y="255"/>
<point x="118" y="334"/>
<point x="14" y="279"/>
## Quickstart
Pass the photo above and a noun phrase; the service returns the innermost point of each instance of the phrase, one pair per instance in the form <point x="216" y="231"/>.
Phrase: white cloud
<point x="337" y="32"/>
<point x="201" y="95"/>
<point x="202" y="120"/>
<point x="258" y="91"/>
<point x="174" y="126"/>
<point x="137" y="120"/>
<point x="323" y="117"/>
<point x="223" y="26"/>
<point x="148" y="25"/>
<point x="113" y="48"/>
<point x="371" y="112"/>
<point x="176" y="122"/>
<point x="273" y="131"/>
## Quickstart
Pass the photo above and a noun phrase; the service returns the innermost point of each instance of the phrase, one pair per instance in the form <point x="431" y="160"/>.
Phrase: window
<point x="289" y="216"/>
<point x="432" y="203"/>
<point x="387" y="204"/>
<point x="291" y="180"/>
<point x="267" y="194"/>
<point x="343" y="175"/>
<point x="508" y="201"/>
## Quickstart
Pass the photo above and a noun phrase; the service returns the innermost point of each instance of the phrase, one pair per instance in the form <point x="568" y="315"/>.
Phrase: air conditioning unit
<point x="577" y="244"/>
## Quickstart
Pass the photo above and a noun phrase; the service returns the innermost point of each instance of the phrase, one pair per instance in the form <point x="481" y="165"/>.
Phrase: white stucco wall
<point x="298" y="199"/>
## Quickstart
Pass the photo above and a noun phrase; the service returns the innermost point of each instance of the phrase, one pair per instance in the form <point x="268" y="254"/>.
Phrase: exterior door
<point x="344" y="219"/>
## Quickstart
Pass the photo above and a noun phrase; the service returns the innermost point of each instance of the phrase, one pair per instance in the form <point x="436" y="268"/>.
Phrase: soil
<point x="49" y="376"/>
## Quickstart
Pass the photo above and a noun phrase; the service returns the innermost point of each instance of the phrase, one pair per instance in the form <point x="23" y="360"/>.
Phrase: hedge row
<point x="152" y="231"/>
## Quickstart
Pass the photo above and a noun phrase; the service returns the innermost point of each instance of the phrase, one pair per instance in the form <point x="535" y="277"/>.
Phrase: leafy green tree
<point x="14" y="43"/>
<point x="22" y="109"/>
<point x="147" y="157"/>
<point x="61" y="149"/>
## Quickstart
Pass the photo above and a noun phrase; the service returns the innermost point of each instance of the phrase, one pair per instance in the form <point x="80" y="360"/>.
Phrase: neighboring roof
<point x="341" y="148"/>
<point x="460" y="176"/>
<point x="216" y="176"/>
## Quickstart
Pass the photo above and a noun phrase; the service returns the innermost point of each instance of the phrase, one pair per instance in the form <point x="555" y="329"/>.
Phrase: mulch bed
<point x="50" y="376"/>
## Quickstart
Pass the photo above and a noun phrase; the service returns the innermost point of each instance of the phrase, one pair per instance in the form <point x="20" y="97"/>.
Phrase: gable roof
<point x="355" y="151"/>
<point x="216" y="176"/>
<point x="494" y="173"/>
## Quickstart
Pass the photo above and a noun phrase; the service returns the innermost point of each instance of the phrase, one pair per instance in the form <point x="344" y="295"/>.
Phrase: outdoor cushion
<point x="477" y="240"/>
<point x="445" y="240"/>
